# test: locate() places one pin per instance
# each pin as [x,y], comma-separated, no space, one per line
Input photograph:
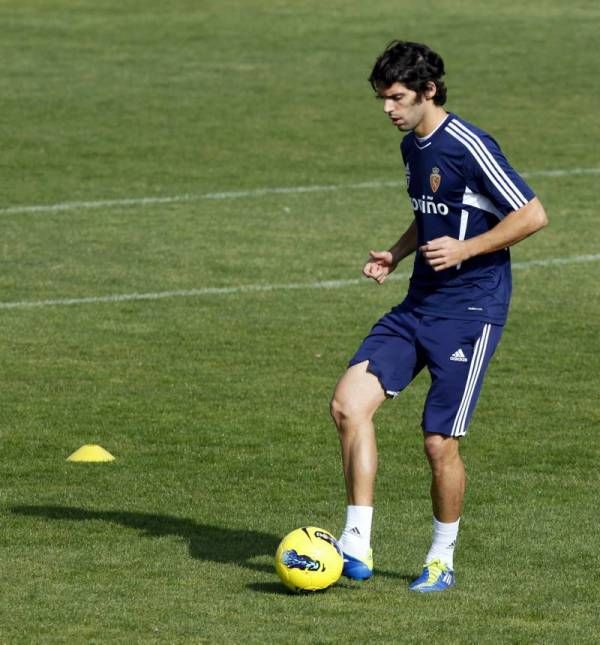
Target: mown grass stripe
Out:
[253,288]
[237,194]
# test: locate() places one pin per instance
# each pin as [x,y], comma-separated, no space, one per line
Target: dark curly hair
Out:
[412,64]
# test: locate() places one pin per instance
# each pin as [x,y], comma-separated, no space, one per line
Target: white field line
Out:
[258,192]
[253,288]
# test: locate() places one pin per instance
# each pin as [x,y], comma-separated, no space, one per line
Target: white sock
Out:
[443,542]
[356,536]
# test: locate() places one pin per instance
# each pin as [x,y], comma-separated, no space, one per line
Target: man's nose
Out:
[388,106]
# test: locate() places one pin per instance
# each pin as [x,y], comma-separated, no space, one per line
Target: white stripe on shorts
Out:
[459,428]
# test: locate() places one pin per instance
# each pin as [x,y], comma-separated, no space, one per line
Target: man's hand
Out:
[379,265]
[444,253]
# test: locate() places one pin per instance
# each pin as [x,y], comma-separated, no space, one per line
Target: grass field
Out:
[189,191]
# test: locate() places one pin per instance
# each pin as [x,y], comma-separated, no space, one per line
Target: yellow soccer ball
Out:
[309,559]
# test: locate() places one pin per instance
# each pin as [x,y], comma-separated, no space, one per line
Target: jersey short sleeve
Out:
[488,172]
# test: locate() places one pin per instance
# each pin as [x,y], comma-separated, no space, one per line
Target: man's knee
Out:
[441,449]
[344,410]
[357,396]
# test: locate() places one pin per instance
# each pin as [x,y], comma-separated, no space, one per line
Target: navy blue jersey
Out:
[461,185]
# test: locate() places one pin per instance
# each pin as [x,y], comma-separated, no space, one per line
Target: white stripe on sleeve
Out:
[464,218]
[495,174]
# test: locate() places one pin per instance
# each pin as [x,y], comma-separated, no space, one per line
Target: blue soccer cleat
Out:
[356,569]
[436,576]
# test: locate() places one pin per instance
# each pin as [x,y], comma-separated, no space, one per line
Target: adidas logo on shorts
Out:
[459,356]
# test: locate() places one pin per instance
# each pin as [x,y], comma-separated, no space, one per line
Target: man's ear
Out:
[430,90]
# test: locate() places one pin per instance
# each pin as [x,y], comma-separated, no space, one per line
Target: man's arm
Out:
[445,252]
[381,263]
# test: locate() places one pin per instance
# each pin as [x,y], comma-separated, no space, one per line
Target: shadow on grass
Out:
[277,589]
[206,542]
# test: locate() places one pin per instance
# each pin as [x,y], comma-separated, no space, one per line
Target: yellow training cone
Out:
[91,452]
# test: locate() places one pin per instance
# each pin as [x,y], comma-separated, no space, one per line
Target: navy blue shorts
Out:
[456,353]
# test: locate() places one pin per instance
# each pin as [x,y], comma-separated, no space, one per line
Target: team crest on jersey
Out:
[435,179]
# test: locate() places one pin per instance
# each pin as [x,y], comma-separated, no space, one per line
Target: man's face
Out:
[402,106]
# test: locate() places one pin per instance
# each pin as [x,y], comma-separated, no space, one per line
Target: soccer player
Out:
[469,206]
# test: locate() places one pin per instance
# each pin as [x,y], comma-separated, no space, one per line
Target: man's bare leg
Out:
[447,494]
[357,397]
[447,476]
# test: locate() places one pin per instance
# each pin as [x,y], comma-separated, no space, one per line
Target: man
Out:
[469,207]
